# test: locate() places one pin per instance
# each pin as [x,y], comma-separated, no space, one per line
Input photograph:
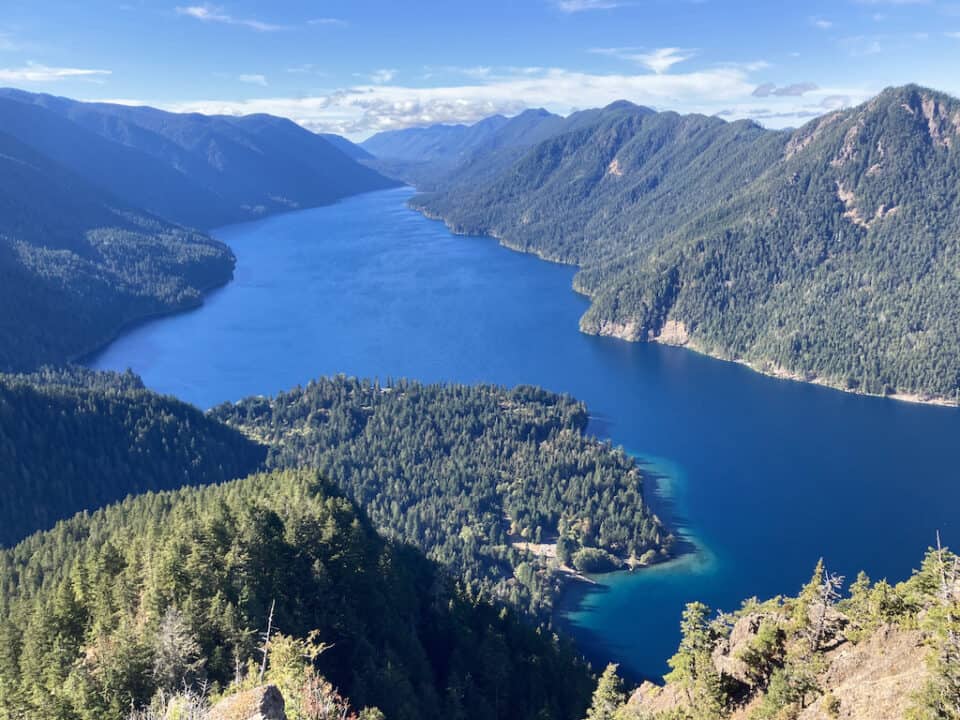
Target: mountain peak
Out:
[626,106]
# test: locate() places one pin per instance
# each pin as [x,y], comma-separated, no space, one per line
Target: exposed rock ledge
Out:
[673,332]
[629,331]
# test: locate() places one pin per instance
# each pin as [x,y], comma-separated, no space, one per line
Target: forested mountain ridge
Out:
[77,264]
[829,253]
[170,592]
[196,170]
[73,441]
[502,486]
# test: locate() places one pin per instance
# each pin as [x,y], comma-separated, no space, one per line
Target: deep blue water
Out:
[765,475]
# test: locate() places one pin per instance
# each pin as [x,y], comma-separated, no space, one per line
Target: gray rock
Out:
[262,703]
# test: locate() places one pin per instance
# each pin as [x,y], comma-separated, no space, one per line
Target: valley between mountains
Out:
[394,548]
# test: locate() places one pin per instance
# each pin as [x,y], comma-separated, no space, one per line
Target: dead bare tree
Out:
[948,595]
[828,593]
[265,647]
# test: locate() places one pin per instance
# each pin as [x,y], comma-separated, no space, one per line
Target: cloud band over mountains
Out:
[367,108]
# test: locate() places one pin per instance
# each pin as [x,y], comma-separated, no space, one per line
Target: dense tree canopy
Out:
[73,440]
[99,614]
[490,482]
[829,252]
[76,265]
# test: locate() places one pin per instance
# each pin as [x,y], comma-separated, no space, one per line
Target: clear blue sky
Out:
[358,66]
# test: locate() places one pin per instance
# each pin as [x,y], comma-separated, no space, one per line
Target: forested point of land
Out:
[502,486]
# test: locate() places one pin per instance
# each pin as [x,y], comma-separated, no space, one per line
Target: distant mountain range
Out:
[830,253]
[196,170]
[97,202]
[426,157]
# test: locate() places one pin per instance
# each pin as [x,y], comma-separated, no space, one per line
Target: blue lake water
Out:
[764,476]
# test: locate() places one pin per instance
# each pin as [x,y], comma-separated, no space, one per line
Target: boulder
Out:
[727,653]
[262,703]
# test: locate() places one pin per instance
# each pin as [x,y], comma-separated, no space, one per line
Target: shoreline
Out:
[761,367]
[86,356]
[771,371]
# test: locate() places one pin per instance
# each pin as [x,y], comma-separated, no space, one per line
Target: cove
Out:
[763,476]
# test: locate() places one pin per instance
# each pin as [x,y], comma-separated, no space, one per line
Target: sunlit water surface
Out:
[763,476]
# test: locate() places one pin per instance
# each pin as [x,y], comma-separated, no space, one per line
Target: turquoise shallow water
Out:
[762,475]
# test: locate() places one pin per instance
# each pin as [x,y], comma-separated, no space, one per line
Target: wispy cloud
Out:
[328,21]
[38,73]
[658,60]
[253,79]
[382,76]
[575,6]
[794,90]
[305,69]
[821,23]
[215,14]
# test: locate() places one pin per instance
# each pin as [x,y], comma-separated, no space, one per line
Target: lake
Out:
[763,476]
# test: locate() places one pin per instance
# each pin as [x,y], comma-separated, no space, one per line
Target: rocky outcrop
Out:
[262,703]
[874,679]
[673,332]
[728,655]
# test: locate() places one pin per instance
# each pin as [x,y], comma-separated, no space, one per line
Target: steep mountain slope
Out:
[72,441]
[201,171]
[77,264]
[348,148]
[502,486]
[171,590]
[881,652]
[830,253]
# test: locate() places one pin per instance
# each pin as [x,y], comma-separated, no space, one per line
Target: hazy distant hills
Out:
[97,202]
[197,170]
[430,156]
[831,252]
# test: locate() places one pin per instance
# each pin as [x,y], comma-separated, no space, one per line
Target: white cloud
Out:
[254,79]
[362,110]
[212,13]
[821,23]
[575,6]
[658,60]
[794,90]
[37,73]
